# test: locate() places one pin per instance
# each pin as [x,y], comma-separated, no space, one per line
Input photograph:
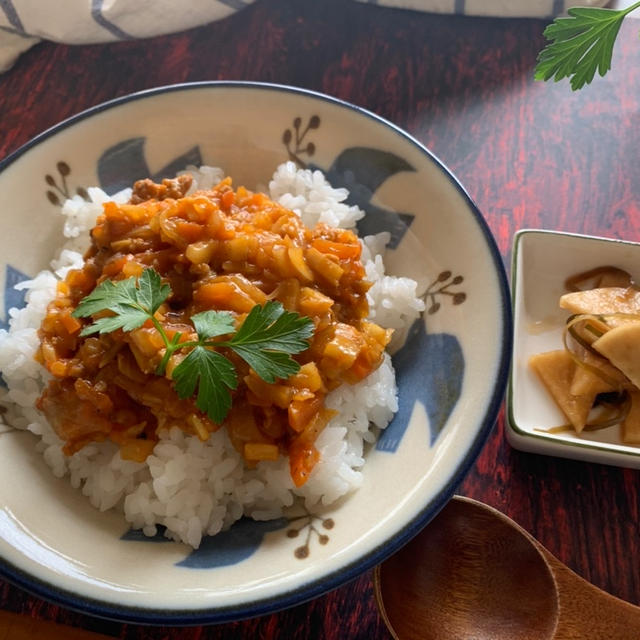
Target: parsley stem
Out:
[633,7]
[170,347]
[265,340]
[158,326]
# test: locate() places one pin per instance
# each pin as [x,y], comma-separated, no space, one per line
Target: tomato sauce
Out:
[222,249]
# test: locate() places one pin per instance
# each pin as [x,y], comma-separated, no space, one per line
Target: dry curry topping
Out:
[223,250]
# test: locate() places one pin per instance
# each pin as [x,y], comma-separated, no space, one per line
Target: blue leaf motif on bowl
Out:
[233,545]
[362,170]
[124,163]
[12,297]
[429,370]
[225,548]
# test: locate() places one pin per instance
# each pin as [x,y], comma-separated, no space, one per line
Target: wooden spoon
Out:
[474,574]
[21,627]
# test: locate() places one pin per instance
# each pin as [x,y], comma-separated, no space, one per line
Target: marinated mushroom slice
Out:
[606,276]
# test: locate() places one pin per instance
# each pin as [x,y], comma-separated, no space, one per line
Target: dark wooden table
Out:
[530,154]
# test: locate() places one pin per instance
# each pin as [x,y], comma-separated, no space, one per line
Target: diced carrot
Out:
[212,294]
[71,324]
[198,209]
[99,233]
[260,451]
[308,377]
[58,368]
[301,412]
[110,208]
[132,268]
[227,199]
[345,345]
[376,333]
[136,450]
[303,457]
[190,231]
[223,295]
[340,249]
[359,370]
[114,267]
[257,199]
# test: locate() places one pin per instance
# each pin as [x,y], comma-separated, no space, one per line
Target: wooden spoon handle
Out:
[22,627]
[588,612]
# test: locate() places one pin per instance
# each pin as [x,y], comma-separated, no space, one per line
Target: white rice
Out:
[196,488]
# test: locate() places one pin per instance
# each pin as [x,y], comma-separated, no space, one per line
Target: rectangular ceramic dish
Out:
[541,262]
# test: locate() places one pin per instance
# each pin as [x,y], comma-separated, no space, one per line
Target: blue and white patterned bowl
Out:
[451,372]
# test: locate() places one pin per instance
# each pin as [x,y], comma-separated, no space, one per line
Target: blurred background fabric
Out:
[506,8]
[24,23]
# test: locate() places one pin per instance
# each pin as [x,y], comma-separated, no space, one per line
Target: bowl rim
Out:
[319,586]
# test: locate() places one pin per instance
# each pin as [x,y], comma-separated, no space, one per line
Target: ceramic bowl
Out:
[541,262]
[452,370]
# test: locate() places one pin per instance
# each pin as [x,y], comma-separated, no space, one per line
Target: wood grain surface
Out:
[530,154]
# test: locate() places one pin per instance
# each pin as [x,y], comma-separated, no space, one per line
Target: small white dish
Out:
[541,262]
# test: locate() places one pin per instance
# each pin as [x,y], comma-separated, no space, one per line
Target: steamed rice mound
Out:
[190,486]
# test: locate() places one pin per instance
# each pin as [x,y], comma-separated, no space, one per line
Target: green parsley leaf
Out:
[266,339]
[107,295]
[127,319]
[581,44]
[132,305]
[272,328]
[213,375]
[269,365]
[210,324]
[151,292]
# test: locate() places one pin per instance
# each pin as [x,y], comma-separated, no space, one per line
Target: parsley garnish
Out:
[582,44]
[266,340]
